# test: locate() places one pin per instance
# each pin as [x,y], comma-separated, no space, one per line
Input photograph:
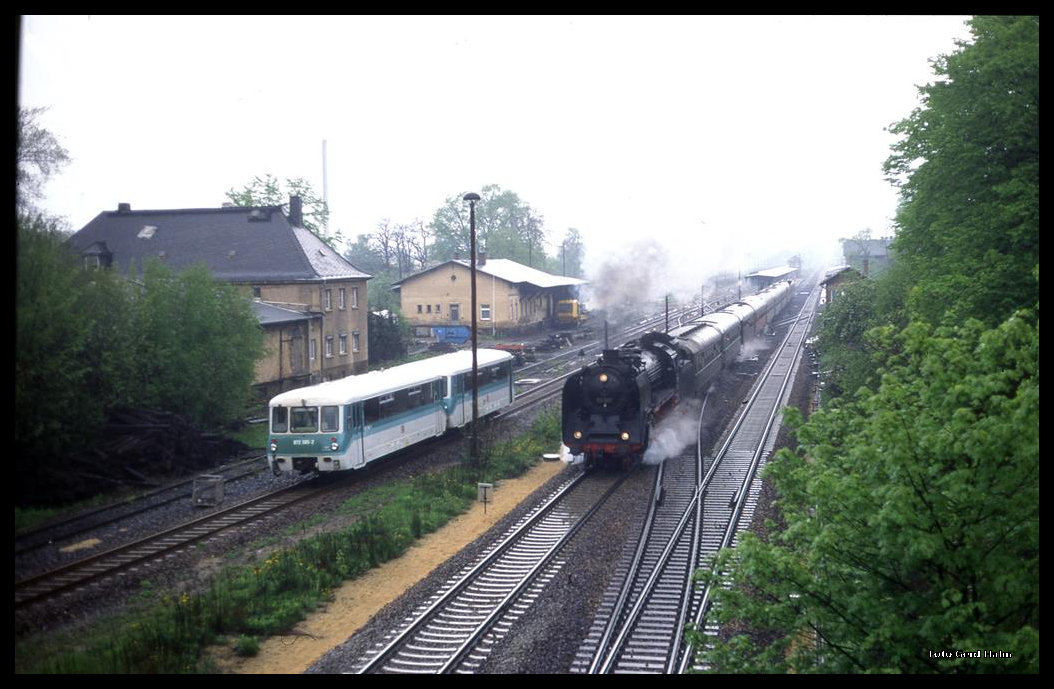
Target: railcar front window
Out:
[304,420]
[279,420]
[330,419]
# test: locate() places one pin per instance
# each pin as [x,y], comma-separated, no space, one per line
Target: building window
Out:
[256,292]
[419,309]
[429,308]
[437,308]
[484,312]
[340,299]
[343,344]
[327,300]
[354,297]
[311,349]
[328,351]
[354,342]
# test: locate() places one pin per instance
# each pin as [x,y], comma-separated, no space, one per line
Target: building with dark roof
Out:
[310,301]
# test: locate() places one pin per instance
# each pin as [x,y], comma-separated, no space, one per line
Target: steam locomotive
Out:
[610,405]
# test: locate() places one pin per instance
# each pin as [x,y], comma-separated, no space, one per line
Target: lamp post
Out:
[474,442]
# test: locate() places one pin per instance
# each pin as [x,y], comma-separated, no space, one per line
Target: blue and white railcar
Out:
[494,378]
[347,423]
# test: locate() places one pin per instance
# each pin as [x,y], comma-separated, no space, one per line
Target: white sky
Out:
[708,135]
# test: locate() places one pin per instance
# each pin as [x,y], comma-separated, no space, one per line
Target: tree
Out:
[88,341]
[198,344]
[846,352]
[54,408]
[912,519]
[911,505]
[267,191]
[968,171]
[506,227]
[38,155]
[572,251]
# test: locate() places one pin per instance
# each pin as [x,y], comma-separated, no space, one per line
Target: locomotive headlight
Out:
[274,445]
[577,435]
[625,435]
[333,445]
[603,377]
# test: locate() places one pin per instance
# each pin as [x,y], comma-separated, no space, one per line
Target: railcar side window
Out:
[279,420]
[304,420]
[372,410]
[330,419]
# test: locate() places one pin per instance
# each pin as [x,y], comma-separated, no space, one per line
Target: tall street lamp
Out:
[474,446]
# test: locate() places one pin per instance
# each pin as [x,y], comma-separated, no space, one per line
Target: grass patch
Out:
[270,596]
[253,435]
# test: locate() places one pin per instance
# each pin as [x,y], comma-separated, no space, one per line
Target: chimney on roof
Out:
[124,208]
[296,211]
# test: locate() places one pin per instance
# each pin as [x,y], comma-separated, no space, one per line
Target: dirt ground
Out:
[357,601]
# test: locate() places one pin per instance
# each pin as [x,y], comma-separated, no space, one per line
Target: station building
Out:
[512,298]
[764,278]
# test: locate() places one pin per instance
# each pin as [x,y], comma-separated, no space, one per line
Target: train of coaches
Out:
[609,405]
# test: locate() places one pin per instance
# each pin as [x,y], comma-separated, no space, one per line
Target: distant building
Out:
[834,280]
[511,297]
[309,300]
[868,256]
[763,278]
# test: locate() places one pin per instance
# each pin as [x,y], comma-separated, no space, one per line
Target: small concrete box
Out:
[208,490]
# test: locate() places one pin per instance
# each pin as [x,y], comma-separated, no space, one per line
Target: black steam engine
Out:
[610,405]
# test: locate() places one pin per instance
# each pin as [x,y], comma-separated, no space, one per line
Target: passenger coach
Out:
[345,424]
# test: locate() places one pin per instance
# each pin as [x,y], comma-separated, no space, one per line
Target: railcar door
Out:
[353,430]
[457,401]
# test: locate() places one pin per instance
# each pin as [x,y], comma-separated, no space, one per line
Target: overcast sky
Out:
[708,135]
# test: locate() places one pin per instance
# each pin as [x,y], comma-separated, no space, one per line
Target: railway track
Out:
[132,555]
[639,627]
[73,526]
[455,630]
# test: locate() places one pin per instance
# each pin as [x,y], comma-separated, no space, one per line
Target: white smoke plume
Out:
[674,433]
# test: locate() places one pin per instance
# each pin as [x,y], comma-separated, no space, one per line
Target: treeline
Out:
[91,341]
[910,507]
[506,227]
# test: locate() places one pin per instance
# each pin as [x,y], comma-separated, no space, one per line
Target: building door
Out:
[455,313]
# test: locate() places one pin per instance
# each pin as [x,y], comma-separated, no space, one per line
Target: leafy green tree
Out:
[38,155]
[968,171]
[911,503]
[912,519]
[388,336]
[198,344]
[53,332]
[268,191]
[846,352]
[506,227]
[572,254]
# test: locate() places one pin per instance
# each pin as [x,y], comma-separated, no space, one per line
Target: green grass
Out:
[253,435]
[271,595]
